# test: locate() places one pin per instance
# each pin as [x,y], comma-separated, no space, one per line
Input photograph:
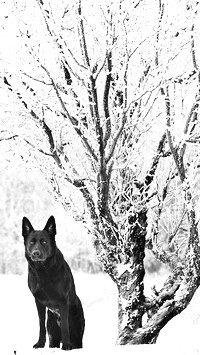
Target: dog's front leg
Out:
[42,315]
[65,331]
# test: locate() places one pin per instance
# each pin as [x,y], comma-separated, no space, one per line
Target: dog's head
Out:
[39,244]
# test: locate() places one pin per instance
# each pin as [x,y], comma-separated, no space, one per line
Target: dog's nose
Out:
[36,253]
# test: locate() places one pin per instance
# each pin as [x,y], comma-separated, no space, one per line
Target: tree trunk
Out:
[130,293]
[171,300]
[148,333]
[130,276]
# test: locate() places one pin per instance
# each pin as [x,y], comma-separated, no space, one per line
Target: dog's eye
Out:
[32,242]
[43,241]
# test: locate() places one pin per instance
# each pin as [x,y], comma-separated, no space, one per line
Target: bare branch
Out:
[92,91]
[75,124]
[29,143]
[151,173]
[191,123]
[136,5]
[161,13]
[177,159]
[49,135]
[193,49]
[126,68]
[41,122]
[35,79]
[73,120]
[135,101]
[106,98]
[177,228]
[89,200]
[8,138]
[116,138]
[59,41]
[82,33]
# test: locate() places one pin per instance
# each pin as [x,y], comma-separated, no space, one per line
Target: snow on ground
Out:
[19,321]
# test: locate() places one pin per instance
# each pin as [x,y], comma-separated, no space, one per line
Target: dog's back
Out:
[52,284]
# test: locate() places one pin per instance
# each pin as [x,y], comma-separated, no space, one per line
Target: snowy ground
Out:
[19,322]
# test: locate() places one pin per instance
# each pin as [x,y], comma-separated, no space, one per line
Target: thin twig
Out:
[172,235]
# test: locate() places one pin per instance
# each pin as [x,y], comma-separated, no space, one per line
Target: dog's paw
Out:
[39,344]
[67,347]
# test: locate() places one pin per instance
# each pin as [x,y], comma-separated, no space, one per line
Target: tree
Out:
[110,98]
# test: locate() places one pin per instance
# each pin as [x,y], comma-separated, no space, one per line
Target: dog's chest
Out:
[45,291]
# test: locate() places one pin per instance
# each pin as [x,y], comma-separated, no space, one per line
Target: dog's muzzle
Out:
[37,256]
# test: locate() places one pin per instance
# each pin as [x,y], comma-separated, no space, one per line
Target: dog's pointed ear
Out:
[51,226]
[26,227]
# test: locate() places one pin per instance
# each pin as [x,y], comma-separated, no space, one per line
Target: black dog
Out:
[51,283]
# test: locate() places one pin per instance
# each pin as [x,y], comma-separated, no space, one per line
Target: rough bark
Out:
[130,282]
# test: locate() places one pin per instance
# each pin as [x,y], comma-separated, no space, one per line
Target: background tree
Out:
[110,98]
[22,195]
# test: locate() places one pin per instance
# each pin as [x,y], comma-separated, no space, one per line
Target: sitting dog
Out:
[51,283]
